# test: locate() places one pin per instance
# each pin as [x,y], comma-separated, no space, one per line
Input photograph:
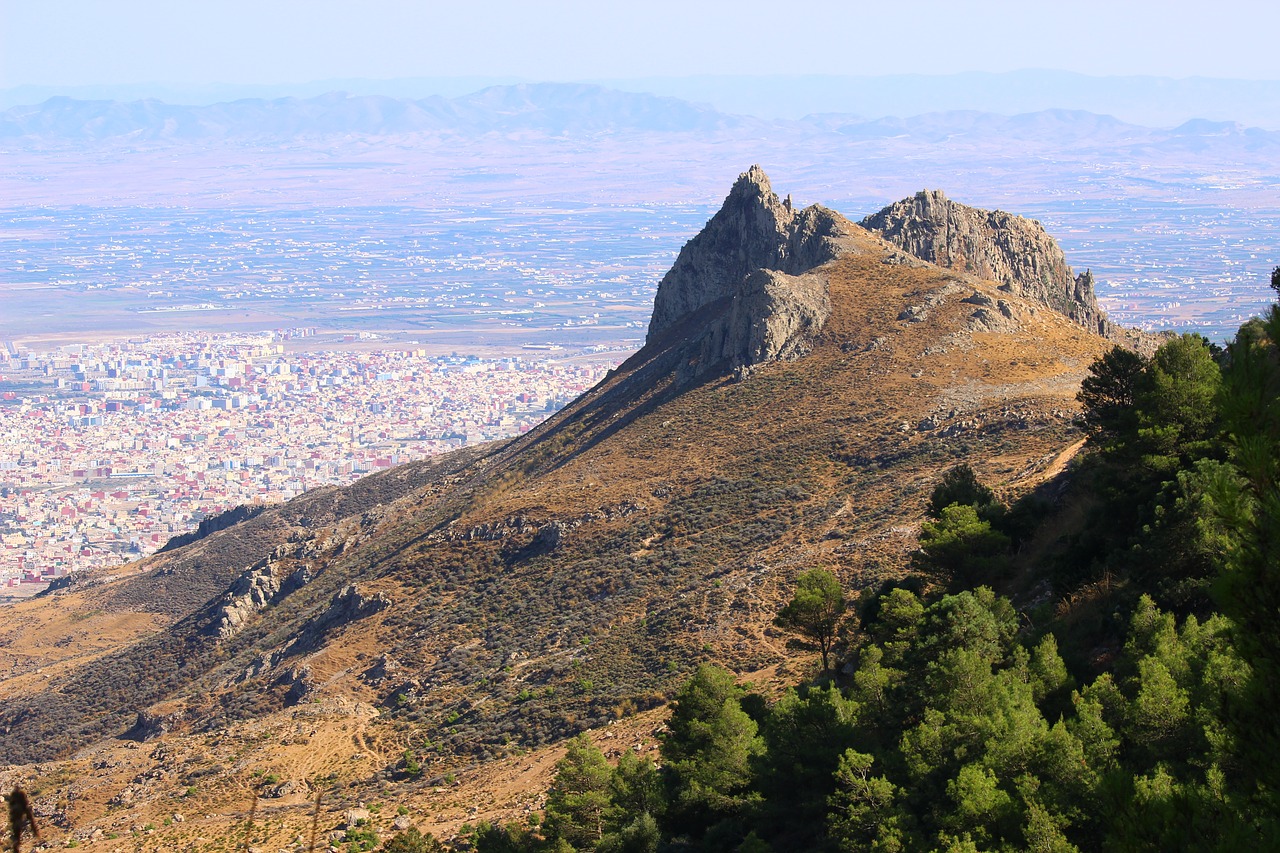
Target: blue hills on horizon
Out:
[1143,100]
[553,108]
[575,109]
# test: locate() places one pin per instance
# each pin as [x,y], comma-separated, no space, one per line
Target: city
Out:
[109,450]
[139,396]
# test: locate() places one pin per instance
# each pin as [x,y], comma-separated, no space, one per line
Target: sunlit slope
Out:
[510,597]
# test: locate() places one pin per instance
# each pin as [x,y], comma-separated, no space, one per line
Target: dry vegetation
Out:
[566,581]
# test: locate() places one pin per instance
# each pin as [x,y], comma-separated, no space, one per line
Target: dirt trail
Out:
[1059,464]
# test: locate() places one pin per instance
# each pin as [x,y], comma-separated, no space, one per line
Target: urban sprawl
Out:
[109,450]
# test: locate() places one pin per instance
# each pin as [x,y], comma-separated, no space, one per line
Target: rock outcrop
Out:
[251,592]
[773,316]
[994,245]
[346,606]
[156,721]
[740,290]
[221,521]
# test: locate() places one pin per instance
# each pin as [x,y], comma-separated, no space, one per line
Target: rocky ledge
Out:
[741,291]
[995,245]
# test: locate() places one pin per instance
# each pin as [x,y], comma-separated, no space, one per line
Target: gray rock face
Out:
[772,317]
[744,276]
[347,605]
[995,245]
[301,683]
[154,722]
[250,592]
[776,316]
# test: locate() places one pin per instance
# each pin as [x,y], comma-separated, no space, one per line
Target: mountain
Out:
[737,294]
[549,108]
[572,109]
[803,385]
[1149,100]
[993,245]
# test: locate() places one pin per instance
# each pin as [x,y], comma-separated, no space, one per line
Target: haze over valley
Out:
[269,211]
[538,428]
[518,225]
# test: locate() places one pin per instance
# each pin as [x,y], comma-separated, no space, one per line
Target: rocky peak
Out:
[994,245]
[754,230]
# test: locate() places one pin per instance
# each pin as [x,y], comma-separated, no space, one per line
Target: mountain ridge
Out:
[993,245]
[504,599]
[1150,100]
[549,108]
[562,109]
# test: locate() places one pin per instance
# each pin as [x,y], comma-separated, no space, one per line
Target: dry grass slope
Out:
[508,598]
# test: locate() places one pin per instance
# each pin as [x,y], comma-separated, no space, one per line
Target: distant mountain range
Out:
[547,108]
[557,109]
[1145,100]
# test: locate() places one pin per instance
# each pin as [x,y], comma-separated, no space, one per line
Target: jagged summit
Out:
[1013,251]
[747,289]
[741,292]
[753,230]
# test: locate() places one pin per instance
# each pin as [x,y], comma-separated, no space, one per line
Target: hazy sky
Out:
[83,42]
